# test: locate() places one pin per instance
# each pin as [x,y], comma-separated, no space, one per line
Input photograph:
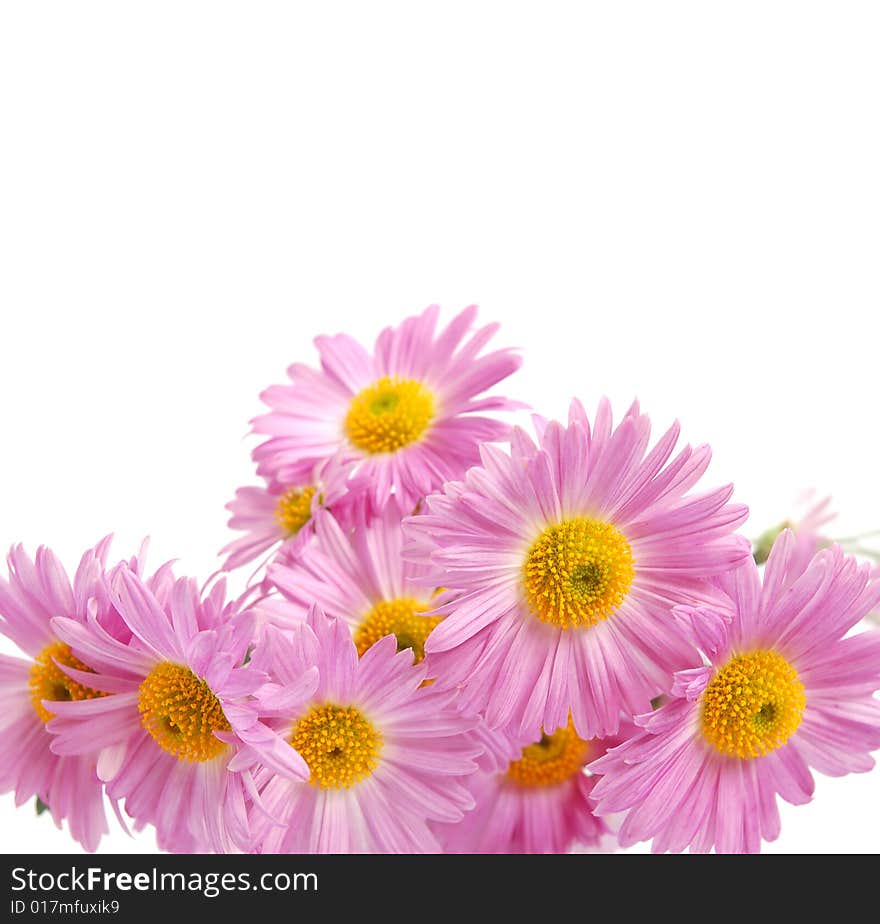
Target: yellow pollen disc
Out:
[578,572]
[389,414]
[339,744]
[294,509]
[48,681]
[553,759]
[182,713]
[401,618]
[753,705]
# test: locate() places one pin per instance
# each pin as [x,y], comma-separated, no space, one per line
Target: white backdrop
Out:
[673,201]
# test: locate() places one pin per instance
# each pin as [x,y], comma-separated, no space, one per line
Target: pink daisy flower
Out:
[538,803]
[408,414]
[177,713]
[784,691]
[810,518]
[279,516]
[387,756]
[565,559]
[31,690]
[360,576]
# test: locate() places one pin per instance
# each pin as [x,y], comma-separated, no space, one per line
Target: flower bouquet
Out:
[455,634]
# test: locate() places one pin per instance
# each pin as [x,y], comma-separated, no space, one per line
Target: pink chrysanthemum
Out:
[176,714]
[408,414]
[36,592]
[810,517]
[538,803]
[282,515]
[784,692]
[360,577]
[565,560]
[387,755]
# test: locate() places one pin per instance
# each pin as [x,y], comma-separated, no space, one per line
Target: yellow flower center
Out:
[753,705]
[294,509]
[554,759]
[182,713]
[48,681]
[339,744]
[389,414]
[578,572]
[401,618]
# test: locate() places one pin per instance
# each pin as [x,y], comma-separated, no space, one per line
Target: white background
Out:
[674,201]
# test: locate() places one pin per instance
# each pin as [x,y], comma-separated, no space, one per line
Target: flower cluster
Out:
[457,636]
